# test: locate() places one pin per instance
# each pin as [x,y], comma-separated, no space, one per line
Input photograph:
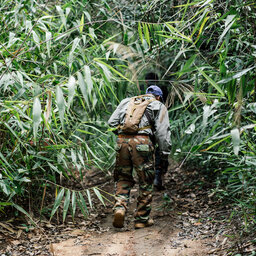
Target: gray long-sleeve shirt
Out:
[158,114]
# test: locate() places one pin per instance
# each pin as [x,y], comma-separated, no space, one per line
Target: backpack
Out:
[135,110]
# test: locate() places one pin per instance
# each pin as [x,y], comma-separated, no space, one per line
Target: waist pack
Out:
[135,110]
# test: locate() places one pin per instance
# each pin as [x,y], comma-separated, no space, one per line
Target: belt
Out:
[133,135]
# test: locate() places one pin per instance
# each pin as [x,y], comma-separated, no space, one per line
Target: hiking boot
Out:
[148,223]
[118,221]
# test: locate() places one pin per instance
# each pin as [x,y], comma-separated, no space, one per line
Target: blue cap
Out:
[155,90]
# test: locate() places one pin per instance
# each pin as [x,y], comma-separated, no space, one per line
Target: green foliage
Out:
[65,66]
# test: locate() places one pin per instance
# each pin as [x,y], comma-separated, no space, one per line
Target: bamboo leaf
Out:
[88,79]
[201,28]
[88,16]
[98,194]
[84,206]
[89,197]
[73,204]
[215,85]
[57,202]
[173,29]
[62,16]
[36,115]
[48,36]
[235,134]
[82,87]
[19,208]
[61,104]
[81,24]
[188,64]
[36,38]
[48,107]
[83,131]
[71,90]
[146,33]
[114,70]
[140,32]
[235,76]
[66,204]
[229,22]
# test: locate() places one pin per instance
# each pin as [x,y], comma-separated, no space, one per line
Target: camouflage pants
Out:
[134,151]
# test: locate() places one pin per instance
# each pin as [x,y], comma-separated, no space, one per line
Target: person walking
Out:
[140,122]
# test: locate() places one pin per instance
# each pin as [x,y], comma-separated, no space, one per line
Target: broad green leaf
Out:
[4,188]
[62,16]
[73,156]
[66,204]
[146,33]
[48,36]
[54,167]
[71,53]
[20,77]
[188,64]
[36,38]
[6,162]
[19,208]
[83,131]
[140,32]
[98,194]
[114,70]
[216,143]
[48,108]
[81,24]
[201,28]
[36,115]
[84,206]
[61,104]
[214,84]
[82,87]
[106,71]
[88,79]
[88,16]
[173,29]
[89,197]
[237,75]
[208,111]
[175,59]
[57,202]
[73,204]
[71,89]
[229,22]
[235,134]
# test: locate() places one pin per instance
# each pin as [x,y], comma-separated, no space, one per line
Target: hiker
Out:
[161,165]
[139,120]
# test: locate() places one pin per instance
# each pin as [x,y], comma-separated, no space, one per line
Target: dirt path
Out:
[187,223]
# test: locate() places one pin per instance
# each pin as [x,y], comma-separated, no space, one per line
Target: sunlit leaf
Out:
[235,134]
[36,115]
[61,104]
[71,90]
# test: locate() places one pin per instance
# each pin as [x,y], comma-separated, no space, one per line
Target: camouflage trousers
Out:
[134,152]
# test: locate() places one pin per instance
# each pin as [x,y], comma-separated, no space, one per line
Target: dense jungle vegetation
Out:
[65,66]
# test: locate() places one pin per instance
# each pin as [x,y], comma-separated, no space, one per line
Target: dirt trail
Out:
[164,238]
[188,222]
[185,224]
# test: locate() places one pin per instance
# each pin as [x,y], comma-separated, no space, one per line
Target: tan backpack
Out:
[134,113]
